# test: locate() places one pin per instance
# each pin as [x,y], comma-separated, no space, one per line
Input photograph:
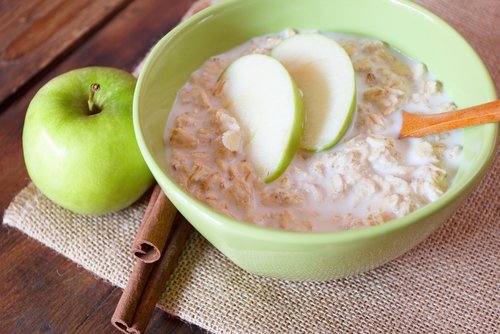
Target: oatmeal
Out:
[368,178]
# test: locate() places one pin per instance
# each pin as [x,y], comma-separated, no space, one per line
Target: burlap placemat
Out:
[448,284]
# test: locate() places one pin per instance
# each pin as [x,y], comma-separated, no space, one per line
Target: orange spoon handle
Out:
[418,125]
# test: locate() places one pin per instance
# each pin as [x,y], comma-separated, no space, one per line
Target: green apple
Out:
[260,92]
[324,73]
[79,144]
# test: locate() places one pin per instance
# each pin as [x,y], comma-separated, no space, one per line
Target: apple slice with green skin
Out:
[79,144]
[263,97]
[324,73]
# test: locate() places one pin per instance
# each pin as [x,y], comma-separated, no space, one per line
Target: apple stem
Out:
[93,88]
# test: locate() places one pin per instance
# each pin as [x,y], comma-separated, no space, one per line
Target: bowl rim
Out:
[234,226]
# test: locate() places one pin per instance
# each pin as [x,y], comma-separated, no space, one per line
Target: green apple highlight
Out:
[262,95]
[79,144]
[324,73]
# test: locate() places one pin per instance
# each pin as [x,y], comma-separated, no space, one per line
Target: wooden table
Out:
[40,290]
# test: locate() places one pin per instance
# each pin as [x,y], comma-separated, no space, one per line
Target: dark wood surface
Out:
[36,33]
[40,290]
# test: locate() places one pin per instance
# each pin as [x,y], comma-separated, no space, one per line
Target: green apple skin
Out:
[297,53]
[87,163]
[343,130]
[293,135]
[294,138]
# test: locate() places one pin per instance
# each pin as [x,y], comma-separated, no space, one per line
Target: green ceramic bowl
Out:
[313,256]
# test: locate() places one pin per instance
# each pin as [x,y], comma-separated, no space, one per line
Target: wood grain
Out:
[161,322]
[33,277]
[420,125]
[37,32]
[42,29]
[43,292]
[78,301]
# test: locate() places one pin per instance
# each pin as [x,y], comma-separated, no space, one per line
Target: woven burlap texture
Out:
[448,284]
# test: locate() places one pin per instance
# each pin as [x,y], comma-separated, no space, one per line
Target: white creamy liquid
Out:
[323,207]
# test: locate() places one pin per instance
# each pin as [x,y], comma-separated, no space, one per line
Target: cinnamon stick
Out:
[152,243]
[147,283]
[127,305]
[155,227]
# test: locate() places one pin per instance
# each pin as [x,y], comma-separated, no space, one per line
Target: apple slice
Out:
[324,73]
[263,97]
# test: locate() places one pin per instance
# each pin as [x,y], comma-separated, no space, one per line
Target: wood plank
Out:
[98,320]
[42,291]
[132,27]
[13,175]
[15,16]
[36,33]
[161,322]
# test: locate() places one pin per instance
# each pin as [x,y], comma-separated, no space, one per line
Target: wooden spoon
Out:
[419,125]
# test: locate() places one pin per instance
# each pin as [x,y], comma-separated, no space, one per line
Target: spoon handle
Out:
[419,125]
